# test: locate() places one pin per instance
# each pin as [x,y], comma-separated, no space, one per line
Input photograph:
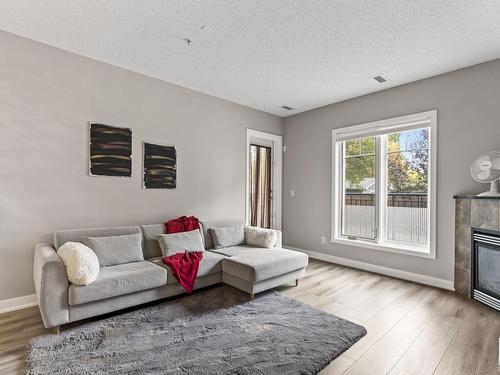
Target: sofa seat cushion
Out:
[255,264]
[118,280]
[211,263]
[234,250]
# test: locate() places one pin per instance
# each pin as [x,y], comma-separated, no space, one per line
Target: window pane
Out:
[358,216]
[353,147]
[407,186]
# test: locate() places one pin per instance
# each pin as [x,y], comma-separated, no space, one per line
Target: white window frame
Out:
[413,121]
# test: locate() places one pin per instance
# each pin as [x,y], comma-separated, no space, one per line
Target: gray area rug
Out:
[216,331]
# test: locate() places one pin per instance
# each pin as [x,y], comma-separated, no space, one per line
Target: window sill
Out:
[388,247]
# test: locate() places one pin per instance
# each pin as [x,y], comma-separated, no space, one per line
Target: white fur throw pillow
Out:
[82,265]
[261,237]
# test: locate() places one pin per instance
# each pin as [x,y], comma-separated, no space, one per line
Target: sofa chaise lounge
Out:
[247,268]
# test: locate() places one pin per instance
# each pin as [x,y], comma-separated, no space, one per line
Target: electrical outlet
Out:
[323,240]
[292,193]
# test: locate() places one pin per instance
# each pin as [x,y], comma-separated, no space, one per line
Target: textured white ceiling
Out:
[269,53]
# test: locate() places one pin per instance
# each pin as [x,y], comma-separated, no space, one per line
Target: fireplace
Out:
[485,267]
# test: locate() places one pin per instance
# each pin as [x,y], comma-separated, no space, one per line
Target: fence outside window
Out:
[406,216]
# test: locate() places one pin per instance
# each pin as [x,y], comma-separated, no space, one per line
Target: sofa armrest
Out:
[279,242]
[51,285]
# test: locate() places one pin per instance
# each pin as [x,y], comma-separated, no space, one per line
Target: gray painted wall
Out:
[47,97]
[468,107]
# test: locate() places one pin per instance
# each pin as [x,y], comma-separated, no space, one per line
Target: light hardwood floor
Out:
[412,329]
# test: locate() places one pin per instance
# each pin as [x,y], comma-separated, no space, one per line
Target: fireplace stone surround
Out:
[471,211]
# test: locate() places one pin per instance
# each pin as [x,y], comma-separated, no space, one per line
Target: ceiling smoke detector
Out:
[380,79]
[287,107]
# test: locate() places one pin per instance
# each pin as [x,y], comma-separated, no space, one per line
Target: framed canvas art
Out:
[159,166]
[110,150]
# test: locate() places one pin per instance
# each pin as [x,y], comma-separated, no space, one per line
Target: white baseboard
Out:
[17,303]
[405,275]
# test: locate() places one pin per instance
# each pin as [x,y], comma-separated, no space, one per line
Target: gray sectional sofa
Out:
[247,268]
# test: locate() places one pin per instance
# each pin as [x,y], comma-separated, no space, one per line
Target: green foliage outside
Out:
[407,157]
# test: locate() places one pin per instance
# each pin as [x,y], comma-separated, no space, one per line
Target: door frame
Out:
[276,174]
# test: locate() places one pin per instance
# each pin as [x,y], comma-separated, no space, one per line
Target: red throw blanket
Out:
[182,224]
[184,266]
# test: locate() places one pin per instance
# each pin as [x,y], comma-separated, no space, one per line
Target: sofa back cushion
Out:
[228,236]
[115,250]
[210,224]
[173,243]
[151,245]
[77,235]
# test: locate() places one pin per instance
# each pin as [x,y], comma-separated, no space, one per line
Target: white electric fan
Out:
[486,169]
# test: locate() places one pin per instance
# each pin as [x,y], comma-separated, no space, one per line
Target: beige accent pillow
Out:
[173,243]
[261,237]
[82,265]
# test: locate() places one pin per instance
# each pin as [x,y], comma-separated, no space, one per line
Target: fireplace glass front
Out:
[486,267]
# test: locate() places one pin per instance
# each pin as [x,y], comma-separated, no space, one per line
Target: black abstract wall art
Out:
[110,151]
[160,166]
